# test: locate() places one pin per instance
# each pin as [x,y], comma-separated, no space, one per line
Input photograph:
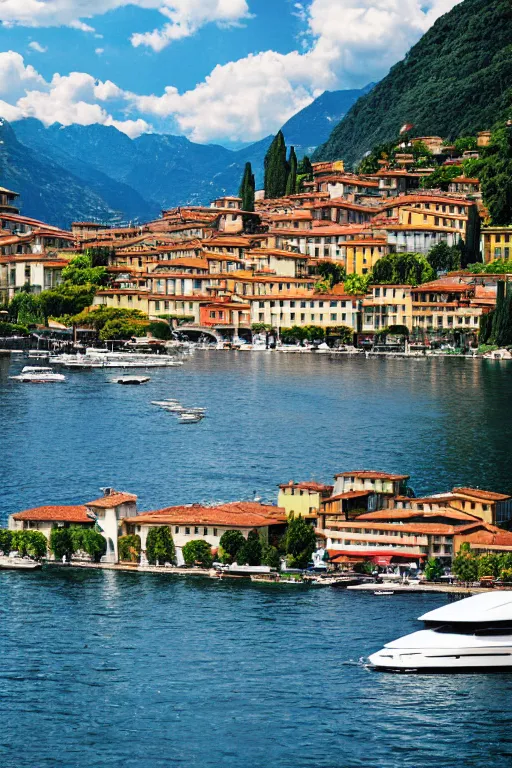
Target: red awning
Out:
[381,560]
[370,554]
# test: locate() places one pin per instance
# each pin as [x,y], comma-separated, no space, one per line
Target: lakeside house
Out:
[195,521]
[365,516]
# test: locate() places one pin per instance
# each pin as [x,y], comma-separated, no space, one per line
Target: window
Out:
[187,531]
[333,304]
[176,529]
[205,531]
[213,314]
[303,305]
[157,305]
[215,532]
[333,315]
[196,530]
[292,304]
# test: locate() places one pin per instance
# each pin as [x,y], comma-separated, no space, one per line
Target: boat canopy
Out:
[489,607]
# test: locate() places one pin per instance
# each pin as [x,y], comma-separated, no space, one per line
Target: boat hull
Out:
[428,651]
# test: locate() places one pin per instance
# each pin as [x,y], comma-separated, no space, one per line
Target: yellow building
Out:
[360,256]
[497,243]
[302,499]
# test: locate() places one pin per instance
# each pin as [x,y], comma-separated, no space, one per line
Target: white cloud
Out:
[99,51]
[66,99]
[35,46]
[349,42]
[185,16]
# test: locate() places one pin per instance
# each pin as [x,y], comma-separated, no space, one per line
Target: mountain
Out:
[100,173]
[454,81]
[313,124]
[48,191]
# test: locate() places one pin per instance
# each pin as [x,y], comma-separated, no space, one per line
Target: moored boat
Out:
[38,375]
[11,563]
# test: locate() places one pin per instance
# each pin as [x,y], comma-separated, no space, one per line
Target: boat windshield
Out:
[472,628]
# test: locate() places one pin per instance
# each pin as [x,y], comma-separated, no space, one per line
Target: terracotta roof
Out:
[372,475]
[348,495]
[310,485]
[405,514]
[478,493]
[70,514]
[243,514]
[112,500]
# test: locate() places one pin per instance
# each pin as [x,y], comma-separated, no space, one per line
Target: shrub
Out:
[250,553]
[160,545]
[129,548]
[300,542]
[31,543]
[89,541]
[5,541]
[271,557]
[61,543]
[198,552]
[231,542]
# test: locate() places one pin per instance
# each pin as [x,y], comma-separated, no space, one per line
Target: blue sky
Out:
[212,70]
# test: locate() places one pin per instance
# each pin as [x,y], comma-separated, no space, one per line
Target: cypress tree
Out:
[291,181]
[247,189]
[276,168]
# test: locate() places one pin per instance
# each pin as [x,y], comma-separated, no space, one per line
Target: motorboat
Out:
[386,592]
[131,380]
[38,375]
[16,563]
[190,418]
[165,403]
[471,635]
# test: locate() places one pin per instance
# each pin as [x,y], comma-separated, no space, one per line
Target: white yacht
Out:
[38,375]
[471,635]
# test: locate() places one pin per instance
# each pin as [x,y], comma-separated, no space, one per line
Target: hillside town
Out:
[306,259]
[365,518]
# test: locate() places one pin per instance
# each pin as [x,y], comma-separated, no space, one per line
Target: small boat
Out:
[383,592]
[190,418]
[8,563]
[131,380]
[38,375]
[164,403]
[470,635]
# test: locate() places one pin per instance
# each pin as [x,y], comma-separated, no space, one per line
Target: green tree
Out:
[433,569]
[496,176]
[121,329]
[489,565]
[159,329]
[61,543]
[293,335]
[89,541]
[300,542]
[100,255]
[465,565]
[5,541]
[344,333]
[30,543]
[276,168]
[98,317]
[291,181]
[357,284]
[441,177]
[465,144]
[13,329]
[198,552]
[81,272]
[331,272]
[270,556]
[247,189]
[304,173]
[444,258]
[232,542]
[129,547]
[65,301]
[402,269]
[25,308]
[251,552]
[160,545]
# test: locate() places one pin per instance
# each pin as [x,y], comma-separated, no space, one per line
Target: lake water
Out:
[113,669]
